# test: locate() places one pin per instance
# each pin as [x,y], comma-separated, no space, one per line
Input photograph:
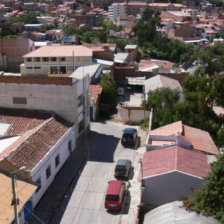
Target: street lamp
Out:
[15,200]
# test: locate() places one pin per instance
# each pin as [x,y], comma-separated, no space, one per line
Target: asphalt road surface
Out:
[85,204]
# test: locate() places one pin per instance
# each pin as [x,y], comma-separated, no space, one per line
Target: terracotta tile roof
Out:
[174,158]
[39,133]
[95,91]
[61,51]
[31,151]
[199,139]
[24,191]
[20,120]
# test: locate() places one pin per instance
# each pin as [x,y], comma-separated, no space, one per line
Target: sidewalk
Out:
[50,201]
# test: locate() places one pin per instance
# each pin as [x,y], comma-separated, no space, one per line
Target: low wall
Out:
[131,115]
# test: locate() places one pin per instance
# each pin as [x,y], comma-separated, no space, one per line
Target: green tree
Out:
[109,93]
[69,31]
[201,92]
[164,102]
[145,29]
[86,38]
[106,4]
[27,18]
[209,200]
[48,27]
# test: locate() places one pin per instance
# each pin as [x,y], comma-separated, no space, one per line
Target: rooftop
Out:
[160,81]
[61,51]
[24,191]
[95,91]
[37,133]
[175,158]
[199,139]
[82,71]
[175,213]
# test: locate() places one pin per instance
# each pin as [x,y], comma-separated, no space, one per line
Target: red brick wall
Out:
[105,55]
[14,46]
[36,80]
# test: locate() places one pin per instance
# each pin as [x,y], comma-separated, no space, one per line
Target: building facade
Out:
[58,60]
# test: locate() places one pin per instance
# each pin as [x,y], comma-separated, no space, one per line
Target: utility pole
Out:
[15,199]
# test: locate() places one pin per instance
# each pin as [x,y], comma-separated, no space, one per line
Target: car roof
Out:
[122,161]
[114,187]
[129,130]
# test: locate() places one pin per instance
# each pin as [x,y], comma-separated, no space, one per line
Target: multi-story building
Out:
[41,119]
[56,60]
[115,10]
[14,49]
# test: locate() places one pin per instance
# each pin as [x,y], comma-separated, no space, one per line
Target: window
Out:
[54,69]
[29,67]
[38,182]
[57,160]
[70,68]
[53,59]
[80,100]
[19,100]
[28,59]
[45,59]
[62,59]
[69,59]
[48,172]
[37,59]
[70,146]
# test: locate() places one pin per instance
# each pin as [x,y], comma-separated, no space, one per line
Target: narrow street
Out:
[84,200]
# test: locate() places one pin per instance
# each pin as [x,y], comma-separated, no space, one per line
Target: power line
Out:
[35,216]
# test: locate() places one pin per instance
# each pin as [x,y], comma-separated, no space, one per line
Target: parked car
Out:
[123,169]
[115,195]
[129,137]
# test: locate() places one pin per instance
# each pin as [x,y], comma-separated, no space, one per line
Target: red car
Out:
[115,195]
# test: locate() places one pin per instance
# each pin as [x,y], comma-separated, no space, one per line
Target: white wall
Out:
[169,187]
[58,98]
[60,148]
[132,116]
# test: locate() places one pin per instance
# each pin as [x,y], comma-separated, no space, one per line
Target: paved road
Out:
[86,203]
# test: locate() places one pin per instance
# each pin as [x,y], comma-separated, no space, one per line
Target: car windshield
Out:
[112,197]
[127,136]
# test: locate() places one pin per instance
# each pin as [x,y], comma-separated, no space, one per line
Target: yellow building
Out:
[56,60]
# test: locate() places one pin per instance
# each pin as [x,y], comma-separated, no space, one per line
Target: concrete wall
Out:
[169,187]
[58,98]
[61,149]
[131,115]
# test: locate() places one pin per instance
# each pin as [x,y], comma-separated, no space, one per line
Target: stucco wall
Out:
[61,149]
[169,187]
[58,98]
[132,115]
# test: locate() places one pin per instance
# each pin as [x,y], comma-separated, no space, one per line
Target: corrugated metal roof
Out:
[174,213]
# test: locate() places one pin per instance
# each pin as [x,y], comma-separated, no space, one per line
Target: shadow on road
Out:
[102,147]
